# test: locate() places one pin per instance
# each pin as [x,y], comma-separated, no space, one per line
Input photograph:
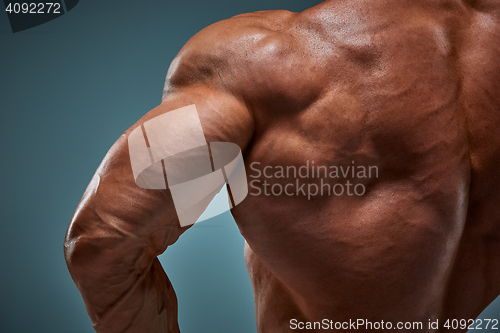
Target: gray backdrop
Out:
[69,88]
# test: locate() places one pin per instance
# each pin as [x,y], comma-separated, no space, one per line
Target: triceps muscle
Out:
[121,225]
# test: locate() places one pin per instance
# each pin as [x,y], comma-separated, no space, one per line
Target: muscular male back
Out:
[411,88]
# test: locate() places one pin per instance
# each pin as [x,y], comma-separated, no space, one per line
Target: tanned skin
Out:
[409,86]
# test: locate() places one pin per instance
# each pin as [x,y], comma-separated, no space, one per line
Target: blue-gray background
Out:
[69,88]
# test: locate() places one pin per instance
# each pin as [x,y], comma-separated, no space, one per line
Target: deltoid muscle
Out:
[170,151]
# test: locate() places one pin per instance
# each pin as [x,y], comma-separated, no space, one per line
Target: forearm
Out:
[123,284]
[111,246]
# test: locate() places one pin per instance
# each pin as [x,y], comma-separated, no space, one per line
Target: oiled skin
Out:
[412,87]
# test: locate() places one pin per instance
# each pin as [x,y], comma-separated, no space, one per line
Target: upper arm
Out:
[114,207]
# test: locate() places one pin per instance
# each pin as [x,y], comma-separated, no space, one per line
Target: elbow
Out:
[74,254]
[81,245]
[84,253]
